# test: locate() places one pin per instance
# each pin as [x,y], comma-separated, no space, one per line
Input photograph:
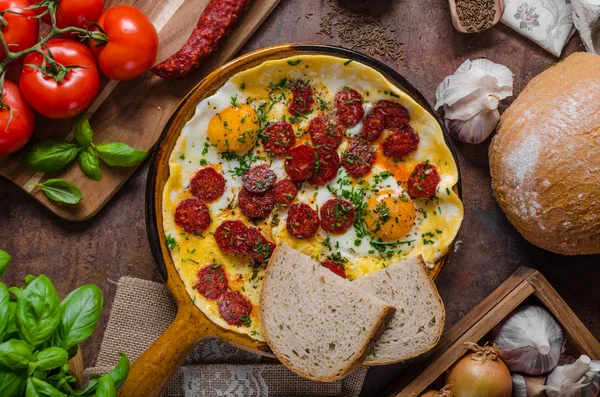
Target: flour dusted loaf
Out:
[318,324]
[545,158]
[418,321]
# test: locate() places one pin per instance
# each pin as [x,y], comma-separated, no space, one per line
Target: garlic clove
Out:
[476,129]
[569,374]
[525,386]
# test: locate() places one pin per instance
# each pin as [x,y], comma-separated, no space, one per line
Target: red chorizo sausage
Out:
[216,21]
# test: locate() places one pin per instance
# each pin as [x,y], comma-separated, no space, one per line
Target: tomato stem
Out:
[59,69]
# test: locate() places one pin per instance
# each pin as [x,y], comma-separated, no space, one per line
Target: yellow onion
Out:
[480,373]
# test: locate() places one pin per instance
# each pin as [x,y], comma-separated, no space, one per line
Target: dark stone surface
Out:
[114,244]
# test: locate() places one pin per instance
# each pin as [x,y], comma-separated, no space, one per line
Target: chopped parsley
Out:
[295,63]
[246,320]
[171,242]
[392,94]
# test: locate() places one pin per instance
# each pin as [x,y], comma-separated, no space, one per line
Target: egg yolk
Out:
[234,129]
[390,216]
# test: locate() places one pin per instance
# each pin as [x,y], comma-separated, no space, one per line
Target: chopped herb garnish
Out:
[171,242]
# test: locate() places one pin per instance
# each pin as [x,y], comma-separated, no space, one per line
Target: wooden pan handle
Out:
[152,371]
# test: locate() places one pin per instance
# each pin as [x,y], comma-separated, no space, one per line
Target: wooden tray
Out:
[134,111]
[524,284]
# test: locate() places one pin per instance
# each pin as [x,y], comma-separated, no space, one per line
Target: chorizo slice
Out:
[208,184]
[400,143]
[235,308]
[259,179]
[337,215]
[302,221]
[302,98]
[335,267]
[192,215]
[285,192]
[278,138]
[300,163]
[328,164]
[349,107]
[359,158]
[232,237]
[260,248]
[326,133]
[212,281]
[423,181]
[256,205]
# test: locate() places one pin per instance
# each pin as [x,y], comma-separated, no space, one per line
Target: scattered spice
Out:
[362,31]
[476,15]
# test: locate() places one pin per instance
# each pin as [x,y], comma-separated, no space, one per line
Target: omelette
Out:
[317,151]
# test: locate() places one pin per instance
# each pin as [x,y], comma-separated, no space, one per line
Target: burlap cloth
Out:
[142,310]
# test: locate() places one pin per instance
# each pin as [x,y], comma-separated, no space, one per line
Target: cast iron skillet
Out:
[151,372]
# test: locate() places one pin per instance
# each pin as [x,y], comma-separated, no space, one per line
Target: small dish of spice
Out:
[472,16]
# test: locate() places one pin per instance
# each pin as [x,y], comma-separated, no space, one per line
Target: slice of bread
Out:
[419,318]
[319,325]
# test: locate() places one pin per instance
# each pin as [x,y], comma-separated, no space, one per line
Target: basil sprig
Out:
[55,155]
[61,191]
[39,334]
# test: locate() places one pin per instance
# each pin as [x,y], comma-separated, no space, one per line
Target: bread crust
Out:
[373,361]
[383,319]
[545,158]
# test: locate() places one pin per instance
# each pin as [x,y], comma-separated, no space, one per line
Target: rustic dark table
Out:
[114,243]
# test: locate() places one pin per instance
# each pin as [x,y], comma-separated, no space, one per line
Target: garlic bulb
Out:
[580,379]
[525,386]
[471,96]
[530,341]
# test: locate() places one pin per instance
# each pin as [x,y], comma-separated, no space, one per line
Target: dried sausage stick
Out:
[215,23]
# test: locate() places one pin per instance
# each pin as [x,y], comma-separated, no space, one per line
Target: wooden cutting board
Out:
[134,111]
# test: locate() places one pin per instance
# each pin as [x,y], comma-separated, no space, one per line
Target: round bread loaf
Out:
[545,158]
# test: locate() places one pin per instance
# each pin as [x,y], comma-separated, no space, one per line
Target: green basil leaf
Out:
[16,291]
[82,131]
[50,156]
[79,314]
[106,387]
[4,310]
[5,259]
[29,278]
[15,354]
[12,383]
[120,372]
[39,388]
[89,163]
[51,358]
[61,191]
[38,311]
[11,328]
[118,154]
